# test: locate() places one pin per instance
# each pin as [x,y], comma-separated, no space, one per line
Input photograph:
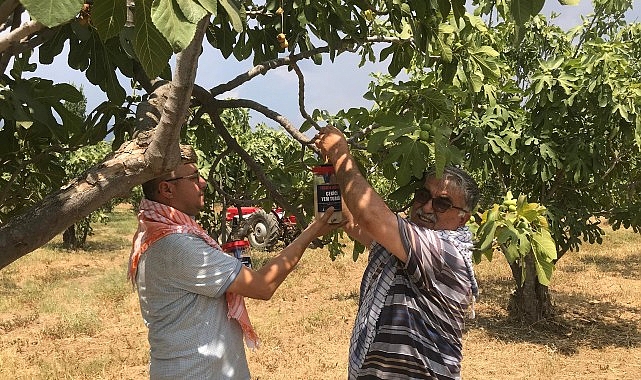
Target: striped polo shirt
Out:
[411,316]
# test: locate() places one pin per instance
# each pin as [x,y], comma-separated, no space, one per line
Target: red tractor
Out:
[262,229]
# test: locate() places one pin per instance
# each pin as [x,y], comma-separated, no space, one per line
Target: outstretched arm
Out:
[368,210]
[353,229]
[262,284]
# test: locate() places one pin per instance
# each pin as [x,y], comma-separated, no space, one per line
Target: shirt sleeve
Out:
[197,267]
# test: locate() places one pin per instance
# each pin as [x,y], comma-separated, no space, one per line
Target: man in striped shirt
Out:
[419,279]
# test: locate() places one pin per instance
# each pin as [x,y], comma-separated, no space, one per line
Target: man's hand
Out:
[332,143]
[321,226]
[371,219]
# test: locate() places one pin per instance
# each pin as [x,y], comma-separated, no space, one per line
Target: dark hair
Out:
[150,189]
[463,181]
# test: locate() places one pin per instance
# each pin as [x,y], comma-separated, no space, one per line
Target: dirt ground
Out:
[73,316]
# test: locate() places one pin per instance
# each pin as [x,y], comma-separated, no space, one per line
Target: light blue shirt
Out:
[181,287]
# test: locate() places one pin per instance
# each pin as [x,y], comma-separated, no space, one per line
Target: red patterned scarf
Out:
[155,221]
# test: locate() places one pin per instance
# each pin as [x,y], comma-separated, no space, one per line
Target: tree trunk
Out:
[531,301]
[69,239]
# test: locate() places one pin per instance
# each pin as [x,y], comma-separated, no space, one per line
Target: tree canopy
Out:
[525,105]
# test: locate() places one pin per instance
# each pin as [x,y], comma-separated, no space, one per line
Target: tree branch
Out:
[30,44]
[301,95]
[273,115]
[164,151]
[264,67]
[114,177]
[210,106]
[16,35]
[353,139]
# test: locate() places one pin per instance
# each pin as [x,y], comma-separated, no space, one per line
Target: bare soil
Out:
[72,315]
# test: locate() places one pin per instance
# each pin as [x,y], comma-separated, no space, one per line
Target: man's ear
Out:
[465,216]
[165,189]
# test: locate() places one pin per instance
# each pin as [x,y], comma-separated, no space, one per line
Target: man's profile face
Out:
[185,187]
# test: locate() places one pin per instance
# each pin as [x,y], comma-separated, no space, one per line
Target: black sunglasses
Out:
[439,204]
[191,177]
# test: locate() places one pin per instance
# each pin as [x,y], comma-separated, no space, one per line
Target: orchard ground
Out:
[73,315]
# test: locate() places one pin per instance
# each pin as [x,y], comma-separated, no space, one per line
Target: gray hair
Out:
[464,182]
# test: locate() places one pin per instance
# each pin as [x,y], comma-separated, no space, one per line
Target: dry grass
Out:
[72,315]
[595,334]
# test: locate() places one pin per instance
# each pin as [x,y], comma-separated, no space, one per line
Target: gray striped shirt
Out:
[411,316]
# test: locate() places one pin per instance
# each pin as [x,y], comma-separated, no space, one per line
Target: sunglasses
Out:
[191,177]
[439,204]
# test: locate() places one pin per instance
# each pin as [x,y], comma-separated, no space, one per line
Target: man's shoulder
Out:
[178,241]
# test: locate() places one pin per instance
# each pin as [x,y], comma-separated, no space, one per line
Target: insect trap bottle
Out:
[327,193]
[239,249]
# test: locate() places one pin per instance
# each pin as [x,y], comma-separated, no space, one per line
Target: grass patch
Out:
[113,287]
[82,323]
[19,321]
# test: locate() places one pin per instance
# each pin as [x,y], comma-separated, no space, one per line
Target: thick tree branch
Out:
[273,115]
[28,45]
[113,178]
[164,150]
[16,35]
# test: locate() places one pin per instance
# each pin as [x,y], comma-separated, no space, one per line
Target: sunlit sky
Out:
[331,86]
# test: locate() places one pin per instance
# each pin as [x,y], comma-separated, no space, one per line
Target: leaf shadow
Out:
[579,319]
[628,267]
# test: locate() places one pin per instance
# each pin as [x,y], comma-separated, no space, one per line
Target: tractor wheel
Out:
[264,230]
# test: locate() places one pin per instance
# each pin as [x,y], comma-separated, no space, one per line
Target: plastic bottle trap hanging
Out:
[327,192]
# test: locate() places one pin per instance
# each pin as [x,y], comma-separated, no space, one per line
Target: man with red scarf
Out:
[190,291]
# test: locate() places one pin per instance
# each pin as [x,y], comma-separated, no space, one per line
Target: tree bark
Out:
[530,302]
[115,177]
[23,31]
[150,154]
